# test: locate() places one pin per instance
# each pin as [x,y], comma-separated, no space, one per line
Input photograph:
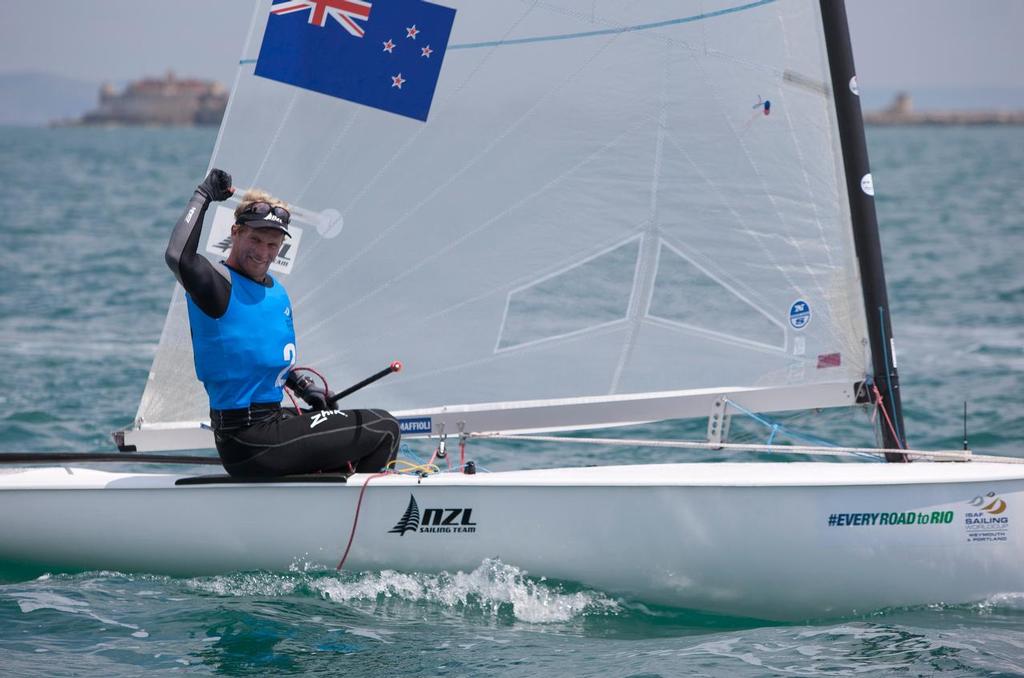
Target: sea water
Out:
[86,214]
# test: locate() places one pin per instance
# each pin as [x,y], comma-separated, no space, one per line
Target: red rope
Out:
[880,405]
[295,403]
[355,519]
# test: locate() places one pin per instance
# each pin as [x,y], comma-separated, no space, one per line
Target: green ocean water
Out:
[87,214]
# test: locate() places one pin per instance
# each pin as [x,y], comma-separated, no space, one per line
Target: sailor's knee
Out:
[390,422]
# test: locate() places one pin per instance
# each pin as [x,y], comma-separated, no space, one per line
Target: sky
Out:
[942,46]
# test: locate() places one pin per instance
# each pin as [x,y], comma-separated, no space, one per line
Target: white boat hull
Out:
[772,541]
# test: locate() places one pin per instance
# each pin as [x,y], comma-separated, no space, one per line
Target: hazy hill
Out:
[40,98]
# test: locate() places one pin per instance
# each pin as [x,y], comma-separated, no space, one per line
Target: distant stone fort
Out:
[901,112]
[160,101]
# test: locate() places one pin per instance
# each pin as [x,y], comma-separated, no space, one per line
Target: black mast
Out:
[865,222]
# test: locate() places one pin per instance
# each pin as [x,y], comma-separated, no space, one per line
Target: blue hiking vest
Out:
[243,357]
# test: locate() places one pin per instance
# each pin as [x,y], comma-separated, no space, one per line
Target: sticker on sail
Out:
[412,425]
[986,520]
[867,184]
[434,520]
[853,86]
[829,360]
[799,314]
[219,240]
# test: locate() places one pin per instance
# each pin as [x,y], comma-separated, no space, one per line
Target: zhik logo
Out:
[434,520]
[321,417]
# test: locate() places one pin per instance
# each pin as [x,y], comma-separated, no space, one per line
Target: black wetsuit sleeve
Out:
[210,289]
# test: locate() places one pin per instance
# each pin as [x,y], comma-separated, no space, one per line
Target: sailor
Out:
[243,343]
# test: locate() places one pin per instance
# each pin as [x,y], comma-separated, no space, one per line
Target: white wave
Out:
[1000,602]
[245,585]
[491,586]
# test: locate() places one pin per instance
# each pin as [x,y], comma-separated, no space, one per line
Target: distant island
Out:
[901,112]
[167,101]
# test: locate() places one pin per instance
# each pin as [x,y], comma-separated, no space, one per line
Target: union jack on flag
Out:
[345,12]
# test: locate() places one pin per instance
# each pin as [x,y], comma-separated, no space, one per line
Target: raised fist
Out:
[217,185]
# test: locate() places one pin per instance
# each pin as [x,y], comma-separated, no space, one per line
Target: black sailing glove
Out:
[306,388]
[216,186]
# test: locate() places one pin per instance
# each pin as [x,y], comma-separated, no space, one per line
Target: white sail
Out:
[606,201]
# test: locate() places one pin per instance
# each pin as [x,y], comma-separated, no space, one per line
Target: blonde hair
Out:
[257,195]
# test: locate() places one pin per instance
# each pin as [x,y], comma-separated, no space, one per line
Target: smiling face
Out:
[253,250]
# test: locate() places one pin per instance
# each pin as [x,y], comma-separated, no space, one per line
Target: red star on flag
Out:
[426,51]
[389,46]
[412,32]
[397,81]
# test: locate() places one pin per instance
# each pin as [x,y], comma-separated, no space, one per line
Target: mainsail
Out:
[610,209]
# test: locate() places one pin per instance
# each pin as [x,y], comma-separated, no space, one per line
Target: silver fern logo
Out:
[434,520]
[410,521]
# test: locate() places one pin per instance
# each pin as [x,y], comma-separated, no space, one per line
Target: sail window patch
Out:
[688,295]
[583,296]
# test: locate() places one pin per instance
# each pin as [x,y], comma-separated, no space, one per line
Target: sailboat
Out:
[561,215]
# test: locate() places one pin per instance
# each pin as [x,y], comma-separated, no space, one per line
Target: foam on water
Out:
[491,586]
[845,650]
[31,601]
[492,589]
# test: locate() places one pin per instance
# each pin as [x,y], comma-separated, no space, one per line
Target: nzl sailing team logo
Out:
[434,520]
[985,521]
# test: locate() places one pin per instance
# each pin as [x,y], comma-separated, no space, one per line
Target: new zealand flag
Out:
[381,53]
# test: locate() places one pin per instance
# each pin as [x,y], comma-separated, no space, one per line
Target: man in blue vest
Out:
[243,343]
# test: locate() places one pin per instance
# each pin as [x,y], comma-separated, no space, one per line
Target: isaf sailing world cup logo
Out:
[986,522]
[434,520]
[993,505]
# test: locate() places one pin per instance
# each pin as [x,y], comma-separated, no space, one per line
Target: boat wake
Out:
[493,590]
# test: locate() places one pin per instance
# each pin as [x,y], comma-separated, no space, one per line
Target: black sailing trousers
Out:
[282,442]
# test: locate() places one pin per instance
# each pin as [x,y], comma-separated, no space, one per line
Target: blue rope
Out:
[407,451]
[777,427]
[753,4]
[612,31]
